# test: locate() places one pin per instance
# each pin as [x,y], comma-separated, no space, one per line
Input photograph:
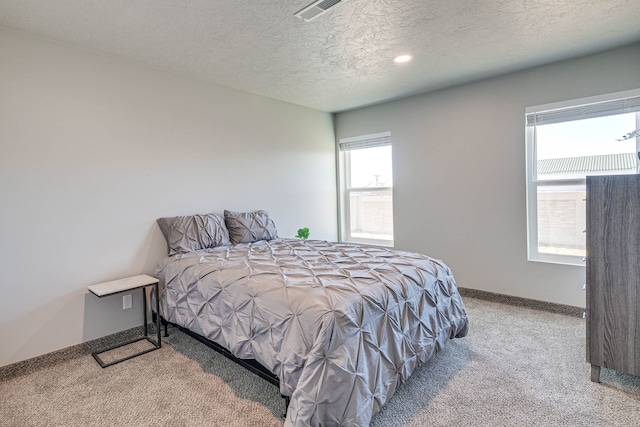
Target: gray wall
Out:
[94,149]
[459,170]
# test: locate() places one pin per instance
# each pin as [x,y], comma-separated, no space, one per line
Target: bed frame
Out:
[249,364]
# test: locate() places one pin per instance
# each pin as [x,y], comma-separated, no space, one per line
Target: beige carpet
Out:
[517,367]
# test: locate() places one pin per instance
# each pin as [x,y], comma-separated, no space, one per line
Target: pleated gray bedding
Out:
[341,325]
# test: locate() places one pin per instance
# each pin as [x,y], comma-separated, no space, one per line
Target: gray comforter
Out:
[341,325]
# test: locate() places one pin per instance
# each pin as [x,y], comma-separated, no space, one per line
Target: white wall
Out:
[459,170]
[94,149]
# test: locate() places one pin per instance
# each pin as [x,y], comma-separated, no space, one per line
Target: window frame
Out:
[532,182]
[345,189]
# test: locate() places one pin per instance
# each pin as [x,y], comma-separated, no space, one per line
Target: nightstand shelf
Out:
[127,285]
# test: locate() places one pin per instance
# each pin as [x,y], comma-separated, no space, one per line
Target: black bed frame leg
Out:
[163,321]
[287,400]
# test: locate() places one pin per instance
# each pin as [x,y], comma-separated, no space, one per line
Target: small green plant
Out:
[303,233]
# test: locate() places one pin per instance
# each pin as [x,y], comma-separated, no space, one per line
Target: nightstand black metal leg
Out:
[158,315]
[144,309]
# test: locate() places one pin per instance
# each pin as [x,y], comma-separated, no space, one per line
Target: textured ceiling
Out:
[342,59]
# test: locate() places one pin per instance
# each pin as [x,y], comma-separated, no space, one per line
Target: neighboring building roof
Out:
[607,162]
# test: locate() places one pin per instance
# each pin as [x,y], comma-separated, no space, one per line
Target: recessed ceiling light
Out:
[402,58]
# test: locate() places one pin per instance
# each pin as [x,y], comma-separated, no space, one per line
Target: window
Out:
[366,189]
[565,143]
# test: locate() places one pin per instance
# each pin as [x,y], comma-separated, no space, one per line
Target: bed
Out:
[340,325]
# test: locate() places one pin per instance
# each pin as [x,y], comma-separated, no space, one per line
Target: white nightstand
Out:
[141,281]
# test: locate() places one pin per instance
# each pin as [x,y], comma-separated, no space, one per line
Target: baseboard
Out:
[50,359]
[568,310]
[53,358]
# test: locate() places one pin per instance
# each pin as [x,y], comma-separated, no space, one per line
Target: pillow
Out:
[191,233]
[250,226]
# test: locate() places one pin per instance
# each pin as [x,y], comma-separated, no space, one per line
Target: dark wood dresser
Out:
[613,274]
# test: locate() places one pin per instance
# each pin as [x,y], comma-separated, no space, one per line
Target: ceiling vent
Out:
[316,9]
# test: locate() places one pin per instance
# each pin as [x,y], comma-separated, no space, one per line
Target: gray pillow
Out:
[194,232]
[250,227]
